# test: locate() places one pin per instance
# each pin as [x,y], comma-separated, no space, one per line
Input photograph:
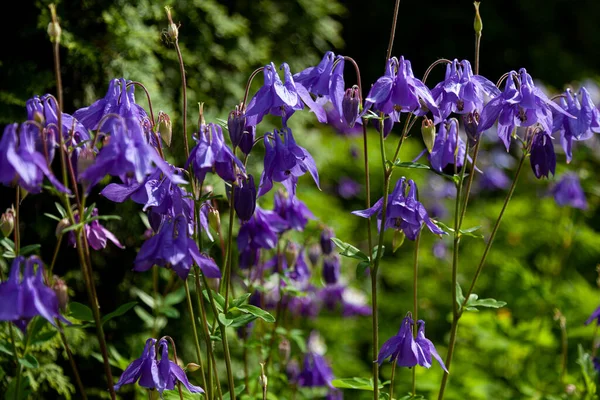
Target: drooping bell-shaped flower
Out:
[236,123]
[461,92]
[331,269]
[543,158]
[586,123]
[350,106]
[448,147]
[275,97]
[292,210]
[27,297]
[399,91]
[172,247]
[425,349]
[568,192]
[326,242]
[46,106]
[316,80]
[153,373]
[285,162]
[244,198]
[212,154]
[316,371]
[96,234]
[21,163]
[404,212]
[260,232]
[348,188]
[520,104]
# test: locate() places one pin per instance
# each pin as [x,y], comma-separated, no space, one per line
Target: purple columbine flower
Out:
[326,242]
[523,105]
[114,102]
[583,127]
[95,233]
[236,124]
[211,153]
[23,299]
[285,161]
[404,211]
[448,148]
[353,302]
[172,247]
[21,163]
[350,106]
[127,154]
[292,210]
[331,269]
[542,158]
[348,188]
[261,231]
[156,374]
[316,80]
[493,178]
[46,107]
[461,92]
[399,91]
[300,272]
[244,199]
[408,352]
[315,370]
[568,192]
[275,97]
[594,317]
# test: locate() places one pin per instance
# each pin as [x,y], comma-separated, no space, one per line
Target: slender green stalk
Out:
[54,257]
[392,378]
[63,338]
[393,31]
[210,359]
[227,278]
[415,305]
[19,366]
[195,332]
[16,230]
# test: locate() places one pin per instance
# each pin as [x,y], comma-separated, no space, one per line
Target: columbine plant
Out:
[262,256]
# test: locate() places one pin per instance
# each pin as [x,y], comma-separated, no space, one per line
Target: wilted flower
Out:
[582,127]
[27,297]
[523,105]
[568,192]
[153,373]
[95,233]
[172,247]
[211,153]
[275,97]
[404,211]
[285,161]
[542,158]
[461,92]
[292,210]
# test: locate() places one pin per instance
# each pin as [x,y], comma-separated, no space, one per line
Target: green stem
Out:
[17,223]
[227,278]
[415,305]
[195,332]
[394,362]
[210,359]
[19,366]
[63,338]
[54,257]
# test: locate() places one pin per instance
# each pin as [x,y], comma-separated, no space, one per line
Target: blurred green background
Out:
[543,261]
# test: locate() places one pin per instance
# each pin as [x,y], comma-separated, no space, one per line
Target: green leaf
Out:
[43,337]
[61,210]
[460,298]
[410,164]
[29,361]
[348,250]
[237,390]
[474,302]
[260,313]
[145,297]
[219,300]
[471,232]
[355,383]
[361,268]
[170,312]
[175,297]
[54,217]
[224,320]
[119,311]
[242,320]
[29,249]
[240,300]
[4,349]
[80,311]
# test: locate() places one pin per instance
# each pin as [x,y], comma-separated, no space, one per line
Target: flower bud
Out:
[264,382]
[398,240]
[165,128]
[291,254]
[192,367]
[62,224]
[428,133]
[471,122]
[214,219]
[314,252]
[350,104]
[247,139]
[331,269]
[39,118]
[285,350]
[54,30]
[172,30]
[7,222]
[62,293]
[244,200]
[236,123]
[326,243]
[478,23]
[85,159]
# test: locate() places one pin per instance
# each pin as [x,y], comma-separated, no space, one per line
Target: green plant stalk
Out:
[17,223]
[195,332]
[415,306]
[227,277]
[454,328]
[392,378]
[19,366]
[222,328]
[63,338]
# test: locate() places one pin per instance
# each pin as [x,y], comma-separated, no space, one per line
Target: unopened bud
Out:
[39,118]
[172,30]
[247,139]
[350,104]
[62,292]
[398,240]
[165,128]
[291,254]
[192,367]
[471,123]
[54,30]
[428,133]
[85,159]
[326,243]
[201,120]
[478,24]
[62,225]
[314,252]
[214,219]
[331,269]
[285,350]
[236,123]
[7,222]
[264,382]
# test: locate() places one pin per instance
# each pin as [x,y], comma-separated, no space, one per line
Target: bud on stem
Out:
[478,24]
[54,30]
